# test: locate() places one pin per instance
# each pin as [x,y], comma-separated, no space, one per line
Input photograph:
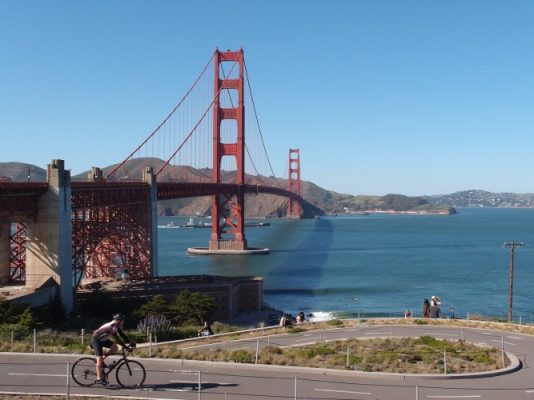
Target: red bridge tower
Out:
[228,211]
[294,209]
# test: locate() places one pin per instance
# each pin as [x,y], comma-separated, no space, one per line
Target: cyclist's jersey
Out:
[107,330]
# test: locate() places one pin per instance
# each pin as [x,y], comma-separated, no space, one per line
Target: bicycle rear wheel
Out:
[83,371]
[131,374]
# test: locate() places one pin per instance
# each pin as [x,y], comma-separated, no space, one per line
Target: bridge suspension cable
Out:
[110,174]
[196,125]
[259,126]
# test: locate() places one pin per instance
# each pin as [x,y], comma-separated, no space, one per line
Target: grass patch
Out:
[400,355]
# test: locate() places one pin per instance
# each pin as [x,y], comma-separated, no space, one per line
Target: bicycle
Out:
[129,373]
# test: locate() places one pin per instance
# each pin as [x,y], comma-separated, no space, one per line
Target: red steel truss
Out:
[228,212]
[111,230]
[17,254]
[295,185]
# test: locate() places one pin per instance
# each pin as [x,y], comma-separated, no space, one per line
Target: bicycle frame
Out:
[115,364]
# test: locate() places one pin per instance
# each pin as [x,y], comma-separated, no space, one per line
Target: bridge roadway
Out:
[178,379]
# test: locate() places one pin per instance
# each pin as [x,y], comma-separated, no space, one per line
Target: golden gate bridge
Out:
[67,229]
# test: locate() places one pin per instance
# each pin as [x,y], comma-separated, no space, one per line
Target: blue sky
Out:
[411,97]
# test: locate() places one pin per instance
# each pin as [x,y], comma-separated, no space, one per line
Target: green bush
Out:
[311,352]
[335,322]
[296,329]
[241,356]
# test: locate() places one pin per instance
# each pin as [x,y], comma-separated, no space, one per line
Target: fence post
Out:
[445,362]
[12,339]
[257,350]
[149,336]
[416,392]
[462,333]
[68,380]
[348,355]
[34,340]
[199,386]
[502,351]
[295,388]
[83,333]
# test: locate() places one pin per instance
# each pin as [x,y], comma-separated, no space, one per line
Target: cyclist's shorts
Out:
[98,346]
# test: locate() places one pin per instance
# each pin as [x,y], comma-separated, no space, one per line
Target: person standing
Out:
[434,311]
[426,307]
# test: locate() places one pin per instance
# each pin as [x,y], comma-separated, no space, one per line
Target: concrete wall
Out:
[150,178]
[49,252]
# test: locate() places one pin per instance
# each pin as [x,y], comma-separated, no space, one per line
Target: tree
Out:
[156,306]
[26,319]
[192,307]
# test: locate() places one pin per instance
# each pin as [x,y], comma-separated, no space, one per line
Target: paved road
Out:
[177,379]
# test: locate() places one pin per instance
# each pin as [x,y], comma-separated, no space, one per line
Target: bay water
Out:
[376,265]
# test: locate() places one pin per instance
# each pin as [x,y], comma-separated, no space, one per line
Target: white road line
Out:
[377,333]
[91,395]
[514,337]
[203,383]
[301,340]
[28,374]
[297,345]
[474,396]
[529,391]
[500,341]
[340,391]
[441,334]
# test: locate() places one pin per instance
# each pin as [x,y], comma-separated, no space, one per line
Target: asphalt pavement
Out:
[179,379]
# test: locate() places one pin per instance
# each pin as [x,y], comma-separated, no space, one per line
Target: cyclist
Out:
[101,339]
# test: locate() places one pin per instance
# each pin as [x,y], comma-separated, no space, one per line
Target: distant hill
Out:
[21,172]
[318,201]
[481,198]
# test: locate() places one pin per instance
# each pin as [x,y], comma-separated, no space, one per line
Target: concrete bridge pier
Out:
[49,251]
[150,178]
[5,250]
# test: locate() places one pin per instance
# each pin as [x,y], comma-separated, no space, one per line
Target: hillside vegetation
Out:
[318,201]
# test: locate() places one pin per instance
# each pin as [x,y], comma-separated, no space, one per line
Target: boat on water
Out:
[191,223]
[169,225]
[257,224]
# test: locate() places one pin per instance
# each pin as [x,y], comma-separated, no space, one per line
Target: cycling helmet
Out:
[119,317]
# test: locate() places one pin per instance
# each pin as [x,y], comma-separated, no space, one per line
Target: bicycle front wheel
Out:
[83,371]
[131,374]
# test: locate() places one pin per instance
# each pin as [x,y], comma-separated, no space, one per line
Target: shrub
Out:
[296,329]
[241,356]
[335,322]
[156,324]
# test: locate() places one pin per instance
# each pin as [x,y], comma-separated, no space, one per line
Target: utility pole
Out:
[512,246]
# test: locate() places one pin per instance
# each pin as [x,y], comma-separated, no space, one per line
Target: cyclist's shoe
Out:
[102,382]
